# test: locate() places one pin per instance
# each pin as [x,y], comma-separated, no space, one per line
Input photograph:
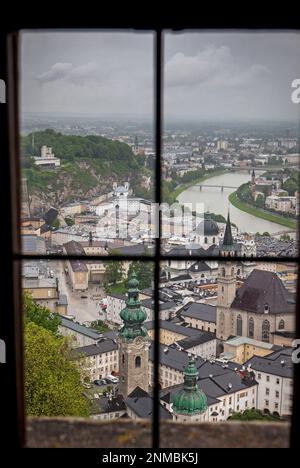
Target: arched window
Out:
[251,328]
[205,240]
[214,240]
[238,272]
[281,325]
[138,361]
[266,331]
[232,271]
[123,358]
[223,272]
[239,325]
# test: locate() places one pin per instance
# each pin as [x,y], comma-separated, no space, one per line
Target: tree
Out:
[291,186]
[70,221]
[53,380]
[40,315]
[260,201]
[253,415]
[144,272]
[56,223]
[114,272]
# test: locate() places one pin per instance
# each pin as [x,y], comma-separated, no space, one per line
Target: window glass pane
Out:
[231,142]
[87,150]
[88,339]
[228,343]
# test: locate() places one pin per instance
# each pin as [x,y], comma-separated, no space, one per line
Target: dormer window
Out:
[266,308]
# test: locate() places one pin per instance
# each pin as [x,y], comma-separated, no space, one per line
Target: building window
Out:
[281,325]
[251,328]
[138,361]
[266,331]
[239,326]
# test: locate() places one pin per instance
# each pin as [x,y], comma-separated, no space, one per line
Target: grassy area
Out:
[184,187]
[99,326]
[119,288]
[235,201]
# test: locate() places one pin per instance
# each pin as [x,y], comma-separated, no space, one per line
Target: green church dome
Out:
[190,400]
[133,315]
[133,282]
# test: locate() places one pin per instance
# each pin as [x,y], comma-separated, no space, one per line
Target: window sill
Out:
[126,433]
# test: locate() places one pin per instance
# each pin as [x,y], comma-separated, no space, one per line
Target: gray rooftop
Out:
[278,363]
[141,403]
[205,312]
[78,328]
[103,345]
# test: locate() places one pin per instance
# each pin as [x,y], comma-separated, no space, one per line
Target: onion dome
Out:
[133,315]
[190,400]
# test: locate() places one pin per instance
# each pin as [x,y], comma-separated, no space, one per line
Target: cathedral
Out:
[259,309]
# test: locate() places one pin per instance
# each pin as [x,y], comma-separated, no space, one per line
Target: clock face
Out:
[139,341]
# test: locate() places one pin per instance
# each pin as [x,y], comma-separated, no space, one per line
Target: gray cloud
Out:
[208,75]
[78,75]
[212,65]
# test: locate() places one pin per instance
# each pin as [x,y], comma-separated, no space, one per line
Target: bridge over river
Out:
[215,186]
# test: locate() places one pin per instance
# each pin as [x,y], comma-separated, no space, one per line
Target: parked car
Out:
[87,385]
[112,379]
[100,382]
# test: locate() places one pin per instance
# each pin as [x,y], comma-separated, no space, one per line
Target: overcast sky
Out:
[207,75]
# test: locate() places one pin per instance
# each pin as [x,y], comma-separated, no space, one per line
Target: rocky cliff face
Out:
[80,183]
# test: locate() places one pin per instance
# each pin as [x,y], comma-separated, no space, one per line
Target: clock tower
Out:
[226,286]
[133,343]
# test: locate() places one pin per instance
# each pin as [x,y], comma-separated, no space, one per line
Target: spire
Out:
[228,240]
[190,400]
[133,315]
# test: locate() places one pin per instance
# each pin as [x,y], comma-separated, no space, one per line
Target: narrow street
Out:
[83,309]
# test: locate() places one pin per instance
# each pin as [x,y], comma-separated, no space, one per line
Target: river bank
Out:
[241,205]
[215,200]
[186,186]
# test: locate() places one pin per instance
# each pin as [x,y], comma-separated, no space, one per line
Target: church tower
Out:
[136,146]
[226,285]
[133,343]
[190,403]
[253,182]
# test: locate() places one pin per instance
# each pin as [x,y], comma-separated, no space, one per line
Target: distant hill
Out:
[89,167]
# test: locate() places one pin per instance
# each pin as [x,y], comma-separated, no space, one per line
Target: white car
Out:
[112,379]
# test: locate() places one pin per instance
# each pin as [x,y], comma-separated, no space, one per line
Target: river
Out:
[216,201]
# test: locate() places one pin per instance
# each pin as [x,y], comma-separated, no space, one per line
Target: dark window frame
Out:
[11,323]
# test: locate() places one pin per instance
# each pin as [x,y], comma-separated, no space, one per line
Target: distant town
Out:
[226,328]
